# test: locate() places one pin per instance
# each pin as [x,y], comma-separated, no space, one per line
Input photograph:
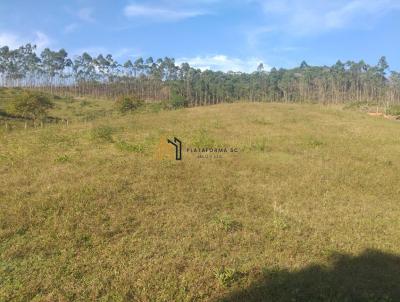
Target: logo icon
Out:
[178,147]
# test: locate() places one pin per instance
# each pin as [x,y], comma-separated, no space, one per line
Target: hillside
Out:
[306,209]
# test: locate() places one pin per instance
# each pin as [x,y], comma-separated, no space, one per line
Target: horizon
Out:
[279,34]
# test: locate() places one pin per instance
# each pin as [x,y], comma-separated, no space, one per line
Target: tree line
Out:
[162,79]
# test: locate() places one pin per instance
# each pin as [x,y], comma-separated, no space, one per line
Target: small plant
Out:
[315,143]
[102,134]
[281,223]
[228,224]
[124,146]
[226,276]
[128,104]
[260,145]
[63,159]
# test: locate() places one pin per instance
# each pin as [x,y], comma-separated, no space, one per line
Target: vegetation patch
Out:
[128,104]
[135,148]
[63,159]
[226,276]
[262,121]
[203,139]
[394,110]
[227,224]
[261,145]
[313,142]
[31,105]
[102,133]
[281,223]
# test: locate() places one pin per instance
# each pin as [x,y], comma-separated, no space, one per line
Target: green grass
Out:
[308,210]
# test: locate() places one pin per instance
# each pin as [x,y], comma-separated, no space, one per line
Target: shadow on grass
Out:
[372,276]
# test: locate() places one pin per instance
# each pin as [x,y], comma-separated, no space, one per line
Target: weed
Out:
[226,276]
[228,224]
[63,159]
[315,143]
[281,223]
[261,145]
[124,146]
[102,134]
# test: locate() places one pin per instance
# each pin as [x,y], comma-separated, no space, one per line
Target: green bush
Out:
[34,105]
[177,101]
[394,110]
[128,104]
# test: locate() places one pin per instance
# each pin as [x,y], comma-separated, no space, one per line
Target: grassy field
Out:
[307,210]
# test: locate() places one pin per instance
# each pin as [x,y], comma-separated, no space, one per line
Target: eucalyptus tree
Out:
[158,79]
[139,66]
[53,64]
[129,69]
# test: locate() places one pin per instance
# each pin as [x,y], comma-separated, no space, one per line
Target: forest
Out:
[161,79]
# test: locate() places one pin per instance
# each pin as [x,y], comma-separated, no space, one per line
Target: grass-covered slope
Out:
[307,210]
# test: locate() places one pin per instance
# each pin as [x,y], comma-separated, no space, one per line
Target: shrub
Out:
[128,104]
[177,101]
[394,110]
[34,105]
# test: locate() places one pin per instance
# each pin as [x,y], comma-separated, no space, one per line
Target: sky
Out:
[222,35]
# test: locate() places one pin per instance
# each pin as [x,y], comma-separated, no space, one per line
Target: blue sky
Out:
[216,34]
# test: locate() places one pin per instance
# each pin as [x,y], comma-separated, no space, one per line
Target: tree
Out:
[159,79]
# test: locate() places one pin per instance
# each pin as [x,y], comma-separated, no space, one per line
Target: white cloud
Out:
[223,63]
[307,17]
[42,40]
[12,40]
[160,13]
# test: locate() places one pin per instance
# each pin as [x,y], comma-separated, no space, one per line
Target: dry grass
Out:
[86,219]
